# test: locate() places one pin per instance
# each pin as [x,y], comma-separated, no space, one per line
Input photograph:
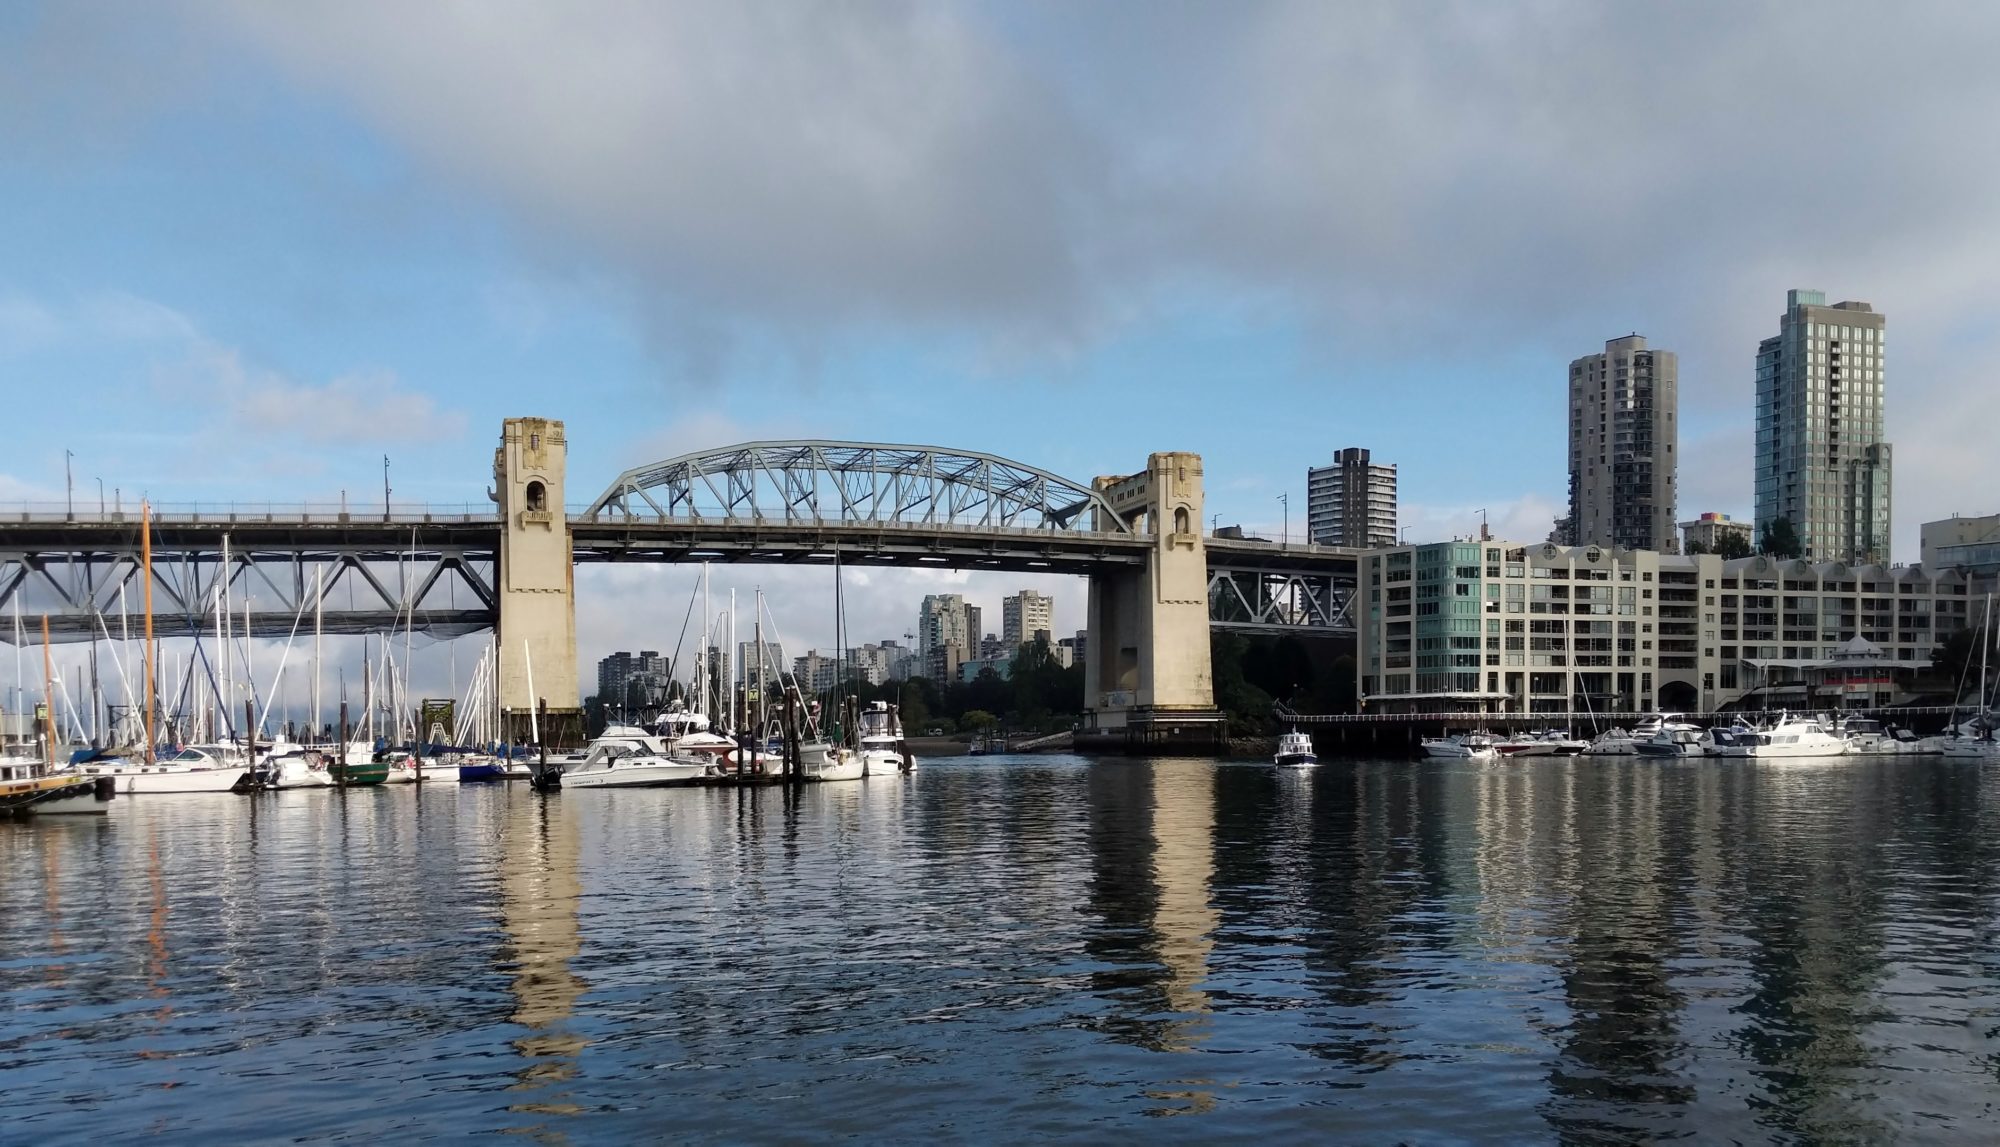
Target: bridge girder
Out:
[853,483]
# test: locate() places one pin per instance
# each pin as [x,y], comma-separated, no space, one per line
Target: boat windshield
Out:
[875,724]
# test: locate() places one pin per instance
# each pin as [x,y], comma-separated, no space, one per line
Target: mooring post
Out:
[342,751]
[250,734]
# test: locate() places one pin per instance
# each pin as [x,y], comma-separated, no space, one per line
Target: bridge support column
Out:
[1147,679]
[537,584]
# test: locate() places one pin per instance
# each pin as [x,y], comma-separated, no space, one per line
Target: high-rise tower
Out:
[1352,502]
[1822,465]
[1621,446]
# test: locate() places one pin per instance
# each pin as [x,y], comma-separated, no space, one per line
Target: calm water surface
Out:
[1006,949]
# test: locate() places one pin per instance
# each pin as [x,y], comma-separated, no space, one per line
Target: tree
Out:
[1954,659]
[1733,545]
[1697,546]
[978,719]
[1781,538]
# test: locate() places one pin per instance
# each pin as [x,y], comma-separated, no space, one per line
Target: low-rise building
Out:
[1706,533]
[1971,544]
[1509,628]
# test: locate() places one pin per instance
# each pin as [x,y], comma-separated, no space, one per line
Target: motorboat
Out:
[1867,737]
[401,767]
[1613,742]
[1972,741]
[835,764]
[1794,736]
[194,769]
[298,768]
[1733,740]
[883,751]
[612,764]
[1674,739]
[1462,746]
[1524,745]
[1295,750]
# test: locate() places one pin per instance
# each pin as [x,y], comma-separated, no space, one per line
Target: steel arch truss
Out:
[1265,600]
[93,595]
[853,483]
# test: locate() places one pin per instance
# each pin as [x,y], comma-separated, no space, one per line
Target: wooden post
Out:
[343,745]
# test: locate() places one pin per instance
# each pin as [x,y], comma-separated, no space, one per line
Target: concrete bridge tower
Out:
[537,629]
[1147,677]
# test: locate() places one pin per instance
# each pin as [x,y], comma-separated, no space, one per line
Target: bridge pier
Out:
[536,633]
[1148,683]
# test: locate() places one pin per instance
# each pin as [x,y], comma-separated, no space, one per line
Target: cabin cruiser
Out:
[883,752]
[1734,741]
[1613,742]
[1797,737]
[629,764]
[1462,746]
[1295,750]
[1868,737]
[1674,739]
[689,732]
[1543,743]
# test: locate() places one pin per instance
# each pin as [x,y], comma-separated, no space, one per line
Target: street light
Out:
[69,484]
[1286,499]
[100,497]
[385,487]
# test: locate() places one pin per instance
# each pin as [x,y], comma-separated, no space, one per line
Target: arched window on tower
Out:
[1180,520]
[538,496]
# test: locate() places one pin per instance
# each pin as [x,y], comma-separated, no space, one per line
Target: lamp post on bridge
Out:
[1286,500]
[100,497]
[385,487]
[69,486]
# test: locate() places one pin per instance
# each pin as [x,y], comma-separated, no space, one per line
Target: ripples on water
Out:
[1024,948]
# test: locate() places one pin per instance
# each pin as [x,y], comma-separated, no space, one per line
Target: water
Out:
[1005,949]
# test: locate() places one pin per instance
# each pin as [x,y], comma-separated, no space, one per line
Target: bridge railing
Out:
[1602,719]
[224,513]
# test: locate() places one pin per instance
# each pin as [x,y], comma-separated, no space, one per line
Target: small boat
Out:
[1675,739]
[835,764]
[1867,737]
[1736,740]
[357,772]
[624,764]
[883,750]
[402,767]
[1295,750]
[27,786]
[298,769]
[1797,737]
[1462,746]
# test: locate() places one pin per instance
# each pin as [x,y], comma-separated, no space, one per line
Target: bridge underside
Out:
[946,547]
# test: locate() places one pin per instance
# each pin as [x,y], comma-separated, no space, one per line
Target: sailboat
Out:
[27,785]
[1978,744]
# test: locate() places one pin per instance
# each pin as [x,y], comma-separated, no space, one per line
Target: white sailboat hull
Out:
[141,780]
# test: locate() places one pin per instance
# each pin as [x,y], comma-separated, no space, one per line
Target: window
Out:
[538,495]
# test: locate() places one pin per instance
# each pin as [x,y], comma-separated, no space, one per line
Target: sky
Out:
[247,250]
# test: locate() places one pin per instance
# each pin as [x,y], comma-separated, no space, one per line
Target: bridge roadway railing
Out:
[251,513]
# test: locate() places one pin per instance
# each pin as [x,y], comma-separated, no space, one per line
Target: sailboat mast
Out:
[49,691]
[757,637]
[319,599]
[734,655]
[1985,643]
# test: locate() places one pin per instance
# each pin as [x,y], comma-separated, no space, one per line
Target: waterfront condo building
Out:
[1352,502]
[1024,616]
[1821,462]
[1501,627]
[1621,446]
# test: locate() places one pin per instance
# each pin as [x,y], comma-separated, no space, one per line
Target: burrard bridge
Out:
[1158,583]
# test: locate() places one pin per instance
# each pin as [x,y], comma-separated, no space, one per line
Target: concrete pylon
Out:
[1147,677]
[537,586]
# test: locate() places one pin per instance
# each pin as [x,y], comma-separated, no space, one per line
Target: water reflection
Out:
[1570,951]
[540,895]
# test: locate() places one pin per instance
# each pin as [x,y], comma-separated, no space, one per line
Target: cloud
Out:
[362,408]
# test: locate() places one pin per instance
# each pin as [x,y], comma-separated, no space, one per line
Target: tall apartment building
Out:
[947,632]
[815,672]
[1025,615]
[747,662]
[1621,447]
[1505,627]
[615,671]
[1821,462]
[1352,502]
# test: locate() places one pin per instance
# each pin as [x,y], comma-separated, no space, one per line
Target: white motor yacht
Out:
[627,764]
[1462,746]
[1613,742]
[1295,750]
[1796,737]
[883,752]
[1867,737]
[834,764]
[195,769]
